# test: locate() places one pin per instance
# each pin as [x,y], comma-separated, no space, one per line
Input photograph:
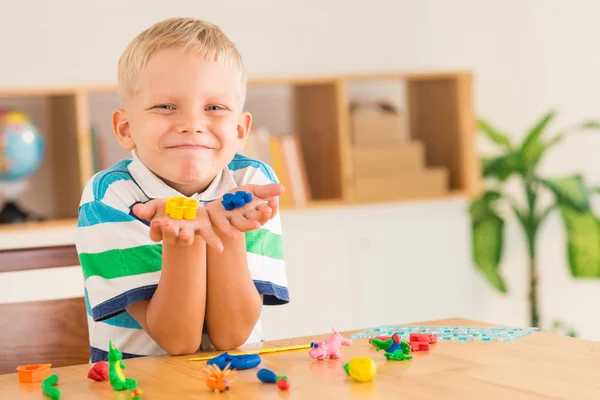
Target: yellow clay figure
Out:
[362,369]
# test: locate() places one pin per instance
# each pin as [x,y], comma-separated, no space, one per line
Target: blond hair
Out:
[191,35]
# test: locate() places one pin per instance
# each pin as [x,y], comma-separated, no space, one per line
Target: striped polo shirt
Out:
[122,265]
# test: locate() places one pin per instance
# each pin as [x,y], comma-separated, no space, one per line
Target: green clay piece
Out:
[115,370]
[48,389]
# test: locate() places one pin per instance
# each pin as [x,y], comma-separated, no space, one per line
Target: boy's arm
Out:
[234,305]
[233,302]
[175,315]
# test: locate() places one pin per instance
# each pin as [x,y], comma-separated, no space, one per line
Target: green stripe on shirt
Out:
[122,262]
[265,243]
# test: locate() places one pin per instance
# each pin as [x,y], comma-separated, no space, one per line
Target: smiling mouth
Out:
[190,147]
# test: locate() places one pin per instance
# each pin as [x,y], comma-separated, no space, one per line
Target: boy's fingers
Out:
[186,236]
[273,205]
[267,191]
[155,231]
[221,222]
[170,232]
[261,214]
[148,210]
[204,227]
[253,215]
[243,224]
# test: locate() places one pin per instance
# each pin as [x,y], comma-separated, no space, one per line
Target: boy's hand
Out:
[177,231]
[250,216]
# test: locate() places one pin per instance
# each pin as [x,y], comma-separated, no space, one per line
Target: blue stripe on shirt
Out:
[106,178]
[118,304]
[240,161]
[273,295]
[96,212]
[122,320]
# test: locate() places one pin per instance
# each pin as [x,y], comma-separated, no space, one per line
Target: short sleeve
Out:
[264,247]
[121,264]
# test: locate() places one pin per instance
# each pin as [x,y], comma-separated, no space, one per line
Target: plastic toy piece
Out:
[181,207]
[239,199]
[361,369]
[115,370]
[449,333]
[33,373]
[219,380]
[239,362]
[99,372]
[48,387]
[329,347]
[268,376]
[422,337]
[419,346]
[395,348]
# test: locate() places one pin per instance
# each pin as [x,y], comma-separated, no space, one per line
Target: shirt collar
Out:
[154,187]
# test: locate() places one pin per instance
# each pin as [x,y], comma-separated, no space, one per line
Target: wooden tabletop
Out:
[537,366]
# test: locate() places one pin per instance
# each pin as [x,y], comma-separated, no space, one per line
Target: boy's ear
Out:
[122,129]
[243,128]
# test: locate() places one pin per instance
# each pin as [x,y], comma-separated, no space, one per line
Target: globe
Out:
[21,146]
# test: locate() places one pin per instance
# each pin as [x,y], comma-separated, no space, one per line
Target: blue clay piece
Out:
[266,376]
[245,361]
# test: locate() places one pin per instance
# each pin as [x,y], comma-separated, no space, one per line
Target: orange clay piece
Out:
[33,373]
[219,380]
[180,207]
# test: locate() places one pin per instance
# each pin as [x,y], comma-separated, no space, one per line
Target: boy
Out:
[154,284]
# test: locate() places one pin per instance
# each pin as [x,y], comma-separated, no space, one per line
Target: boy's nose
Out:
[192,124]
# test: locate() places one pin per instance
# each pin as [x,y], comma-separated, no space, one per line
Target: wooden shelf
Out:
[71,223]
[438,105]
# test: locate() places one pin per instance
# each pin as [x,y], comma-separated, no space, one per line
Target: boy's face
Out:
[184,119]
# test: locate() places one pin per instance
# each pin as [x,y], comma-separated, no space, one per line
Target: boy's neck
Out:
[188,190]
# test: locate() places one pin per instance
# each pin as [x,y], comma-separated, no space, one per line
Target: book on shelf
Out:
[283,154]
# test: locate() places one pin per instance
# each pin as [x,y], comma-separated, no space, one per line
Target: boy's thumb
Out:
[267,191]
[146,210]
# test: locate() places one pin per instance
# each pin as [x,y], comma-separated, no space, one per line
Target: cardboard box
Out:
[432,181]
[391,159]
[377,125]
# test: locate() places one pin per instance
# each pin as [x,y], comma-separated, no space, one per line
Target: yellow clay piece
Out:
[362,369]
[180,207]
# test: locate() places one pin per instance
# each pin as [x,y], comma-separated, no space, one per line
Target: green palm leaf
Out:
[540,148]
[569,190]
[583,241]
[502,167]
[501,139]
[590,125]
[536,132]
[482,206]
[488,238]
[532,147]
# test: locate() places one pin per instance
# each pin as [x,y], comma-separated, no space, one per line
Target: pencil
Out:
[258,351]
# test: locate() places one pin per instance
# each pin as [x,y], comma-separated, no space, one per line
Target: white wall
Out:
[528,56]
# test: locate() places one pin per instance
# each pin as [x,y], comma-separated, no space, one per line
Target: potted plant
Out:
[570,197]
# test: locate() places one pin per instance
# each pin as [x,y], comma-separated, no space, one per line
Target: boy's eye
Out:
[165,107]
[214,108]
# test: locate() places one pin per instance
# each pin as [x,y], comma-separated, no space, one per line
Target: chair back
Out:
[42,332]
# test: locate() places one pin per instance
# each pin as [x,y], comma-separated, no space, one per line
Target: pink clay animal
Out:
[329,347]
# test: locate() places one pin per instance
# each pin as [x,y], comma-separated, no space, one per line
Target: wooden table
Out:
[538,366]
